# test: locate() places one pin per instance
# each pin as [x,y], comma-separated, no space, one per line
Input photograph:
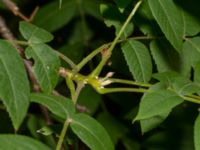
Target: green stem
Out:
[194,96]
[123,81]
[140,90]
[98,69]
[66,59]
[62,135]
[19,42]
[105,46]
[190,99]
[80,86]
[90,56]
[70,85]
[113,90]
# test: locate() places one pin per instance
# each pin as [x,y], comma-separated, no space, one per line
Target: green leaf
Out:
[184,86]
[170,20]
[150,123]
[197,133]
[166,76]
[34,34]
[197,73]
[181,85]
[122,3]
[46,65]
[20,142]
[192,47]
[144,20]
[51,18]
[138,59]
[164,56]
[14,85]
[91,132]
[90,99]
[112,17]
[58,105]
[115,128]
[192,24]
[129,143]
[91,7]
[156,103]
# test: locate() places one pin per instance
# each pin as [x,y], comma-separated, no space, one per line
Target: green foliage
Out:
[46,65]
[170,20]
[61,87]
[14,84]
[33,34]
[158,102]
[20,142]
[60,106]
[134,53]
[53,14]
[91,132]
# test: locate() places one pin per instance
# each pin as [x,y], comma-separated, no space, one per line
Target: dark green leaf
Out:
[90,99]
[150,123]
[192,24]
[91,132]
[20,142]
[197,73]
[14,85]
[170,20]
[138,59]
[180,85]
[197,133]
[113,17]
[166,76]
[122,3]
[129,143]
[60,106]
[164,56]
[184,86]
[80,34]
[91,7]
[46,65]
[34,34]
[51,18]
[114,127]
[145,20]
[156,103]
[192,49]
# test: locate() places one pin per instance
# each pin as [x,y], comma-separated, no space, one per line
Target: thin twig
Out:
[15,9]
